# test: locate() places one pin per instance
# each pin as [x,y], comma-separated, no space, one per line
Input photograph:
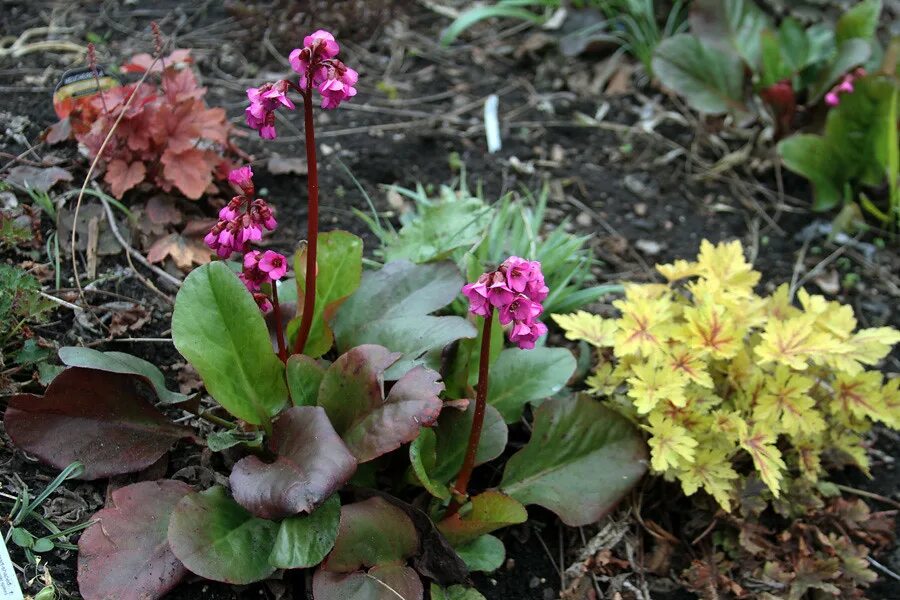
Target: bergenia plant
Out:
[370,370]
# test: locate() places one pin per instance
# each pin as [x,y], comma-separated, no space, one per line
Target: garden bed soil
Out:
[644,196]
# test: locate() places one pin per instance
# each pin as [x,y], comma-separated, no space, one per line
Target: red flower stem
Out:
[312,236]
[484,360]
[279,328]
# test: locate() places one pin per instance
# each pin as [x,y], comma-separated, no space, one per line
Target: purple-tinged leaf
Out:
[105,420]
[352,393]
[217,539]
[312,463]
[372,532]
[125,554]
[389,582]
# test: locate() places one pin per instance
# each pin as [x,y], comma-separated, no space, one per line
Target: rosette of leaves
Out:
[728,384]
[167,134]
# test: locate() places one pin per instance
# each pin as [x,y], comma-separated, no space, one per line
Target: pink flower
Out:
[338,86]
[477,294]
[846,86]
[251,259]
[323,43]
[243,178]
[520,309]
[274,264]
[318,67]
[832,99]
[526,334]
[263,302]
[264,100]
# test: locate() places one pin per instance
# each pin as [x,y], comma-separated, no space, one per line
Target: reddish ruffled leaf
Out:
[372,425]
[105,420]
[311,464]
[141,62]
[125,554]
[388,582]
[189,171]
[372,532]
[121,176]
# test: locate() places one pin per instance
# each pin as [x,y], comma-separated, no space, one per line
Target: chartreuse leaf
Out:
[217,539]
[352,393]
[455,592]
[339,260]
[219,329]
[385,582]
[119,362]
[124,554]
[486,512]
[711,81]
[304,541]
[581,460]
[522,376]
[861,21]
[372,532]
[485,553]
[304,376]
[311,463]
[391,308]
[105,420]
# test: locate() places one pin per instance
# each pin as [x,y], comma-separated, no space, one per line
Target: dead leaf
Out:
[128,319]
[37,178]
[280,165]
[185,251]
[161,210]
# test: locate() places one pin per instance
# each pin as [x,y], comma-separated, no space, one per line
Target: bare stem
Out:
[312,236]
[279,329]
[484,359]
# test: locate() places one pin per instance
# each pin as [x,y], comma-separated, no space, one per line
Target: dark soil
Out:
[419,103]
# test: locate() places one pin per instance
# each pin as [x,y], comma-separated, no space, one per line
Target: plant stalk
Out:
[484,360]
[312,236]
[279,328]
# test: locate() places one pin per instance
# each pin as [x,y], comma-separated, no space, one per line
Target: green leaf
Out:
[484,513]
[119,362]
[304,540]
[217,539]
[43,545]
[455,592]
[522,376]
[422,457]
[223,440]
[730,26]
[773,67]
[391,308]
[796,46]
[810,156]
[861,21]
[219,329]
[339,260]
[710,81]
[452,433]
[372,532]
[509,10]
[485,553]
[850,53]
[438,229]
[22,538]
[581,460]
[304,376]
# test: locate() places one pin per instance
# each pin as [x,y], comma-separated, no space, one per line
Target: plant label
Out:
[9,585]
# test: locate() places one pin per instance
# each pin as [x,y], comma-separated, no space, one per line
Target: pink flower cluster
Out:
[516,290]
[318,68]
[241,222]
[833,97]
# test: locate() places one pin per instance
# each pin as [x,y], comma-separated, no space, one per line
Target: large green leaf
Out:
[304,376]
[522,376]
[217,539]
[711,81]
[438,229]
[219,329]
[810,156]
[372,532]
[582,458]
[730,26]
[391,308]
[304,540]
[119,362]
[339,260]
[861,21]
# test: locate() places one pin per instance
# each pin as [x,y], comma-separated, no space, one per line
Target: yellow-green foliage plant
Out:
[722,378]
